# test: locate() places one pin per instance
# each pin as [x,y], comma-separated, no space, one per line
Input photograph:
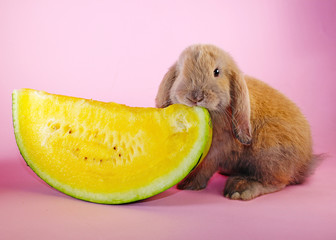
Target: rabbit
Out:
[260,137]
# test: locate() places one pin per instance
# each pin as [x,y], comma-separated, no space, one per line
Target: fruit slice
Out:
[107,152]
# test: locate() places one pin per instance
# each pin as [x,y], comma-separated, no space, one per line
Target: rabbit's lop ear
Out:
[240,106]
[163,96]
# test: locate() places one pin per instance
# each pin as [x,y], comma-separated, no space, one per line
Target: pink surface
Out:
[118,51]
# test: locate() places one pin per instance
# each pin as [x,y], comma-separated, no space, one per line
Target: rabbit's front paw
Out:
[191,184]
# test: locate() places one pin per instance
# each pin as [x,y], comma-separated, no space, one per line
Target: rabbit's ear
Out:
[163,96]
[240,106]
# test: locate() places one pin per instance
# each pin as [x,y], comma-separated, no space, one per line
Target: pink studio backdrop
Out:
[118,51]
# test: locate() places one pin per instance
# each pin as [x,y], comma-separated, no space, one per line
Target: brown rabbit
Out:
[260,138]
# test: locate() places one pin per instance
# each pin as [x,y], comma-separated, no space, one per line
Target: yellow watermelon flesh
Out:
[107,152]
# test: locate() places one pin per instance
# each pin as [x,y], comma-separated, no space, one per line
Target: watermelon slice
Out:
[107,152]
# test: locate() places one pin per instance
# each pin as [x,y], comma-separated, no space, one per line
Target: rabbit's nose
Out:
[196,96]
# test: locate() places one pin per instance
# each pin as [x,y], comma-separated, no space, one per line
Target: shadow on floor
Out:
[15,175]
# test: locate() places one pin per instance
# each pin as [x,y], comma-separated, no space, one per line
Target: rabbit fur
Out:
[260,138]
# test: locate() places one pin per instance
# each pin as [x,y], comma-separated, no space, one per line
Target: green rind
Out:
[201,148]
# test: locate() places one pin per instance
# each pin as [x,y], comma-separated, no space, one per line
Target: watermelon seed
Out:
[85,158]
[70,131]
[101,160]
[119,155]
[56,126]
[139,149]
[115,147]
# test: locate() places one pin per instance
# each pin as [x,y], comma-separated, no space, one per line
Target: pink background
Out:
[118,51]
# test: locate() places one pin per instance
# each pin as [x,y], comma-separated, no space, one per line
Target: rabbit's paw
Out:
[244,188]
[190,183]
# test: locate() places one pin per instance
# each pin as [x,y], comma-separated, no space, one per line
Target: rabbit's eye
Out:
[216,72]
